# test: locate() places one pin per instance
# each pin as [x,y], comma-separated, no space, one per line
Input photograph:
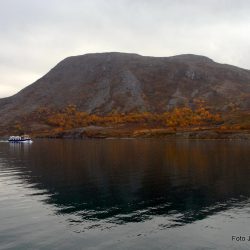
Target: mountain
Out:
[104,82]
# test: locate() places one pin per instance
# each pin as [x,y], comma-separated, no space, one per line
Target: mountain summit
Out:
[107,82]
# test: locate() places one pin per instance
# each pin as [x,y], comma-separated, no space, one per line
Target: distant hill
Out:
[105,82]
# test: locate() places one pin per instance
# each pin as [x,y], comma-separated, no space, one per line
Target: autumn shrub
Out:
[70,117]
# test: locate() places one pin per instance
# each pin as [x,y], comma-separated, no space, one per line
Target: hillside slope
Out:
[105,82]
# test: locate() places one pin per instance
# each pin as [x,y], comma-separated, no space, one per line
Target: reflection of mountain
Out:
[122,181]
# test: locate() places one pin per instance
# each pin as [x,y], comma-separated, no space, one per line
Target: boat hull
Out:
[24,140]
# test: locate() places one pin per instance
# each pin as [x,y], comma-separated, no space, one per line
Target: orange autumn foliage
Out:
[70,118]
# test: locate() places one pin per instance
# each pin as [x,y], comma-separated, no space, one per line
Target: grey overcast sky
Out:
[35,35]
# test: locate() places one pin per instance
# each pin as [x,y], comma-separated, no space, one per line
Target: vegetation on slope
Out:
[69,118]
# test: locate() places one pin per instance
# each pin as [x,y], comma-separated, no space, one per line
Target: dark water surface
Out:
[124,194]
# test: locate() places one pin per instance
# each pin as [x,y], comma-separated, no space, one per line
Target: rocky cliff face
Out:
[105,82]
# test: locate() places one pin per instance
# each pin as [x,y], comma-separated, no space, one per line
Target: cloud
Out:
[37,35]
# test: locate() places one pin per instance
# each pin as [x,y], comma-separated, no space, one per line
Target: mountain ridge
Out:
[122,82]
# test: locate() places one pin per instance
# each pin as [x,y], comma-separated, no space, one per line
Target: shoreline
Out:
[151,133]
[100,132]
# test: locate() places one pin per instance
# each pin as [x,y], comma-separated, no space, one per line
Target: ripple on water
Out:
[68,194]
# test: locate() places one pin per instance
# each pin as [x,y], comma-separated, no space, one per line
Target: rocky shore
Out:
[110,132]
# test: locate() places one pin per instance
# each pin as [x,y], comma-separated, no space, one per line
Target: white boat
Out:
[22,138]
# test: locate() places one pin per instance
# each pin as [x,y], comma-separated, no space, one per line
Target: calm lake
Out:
[124,194]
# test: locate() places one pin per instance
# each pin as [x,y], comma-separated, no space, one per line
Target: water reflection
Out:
[120,181]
